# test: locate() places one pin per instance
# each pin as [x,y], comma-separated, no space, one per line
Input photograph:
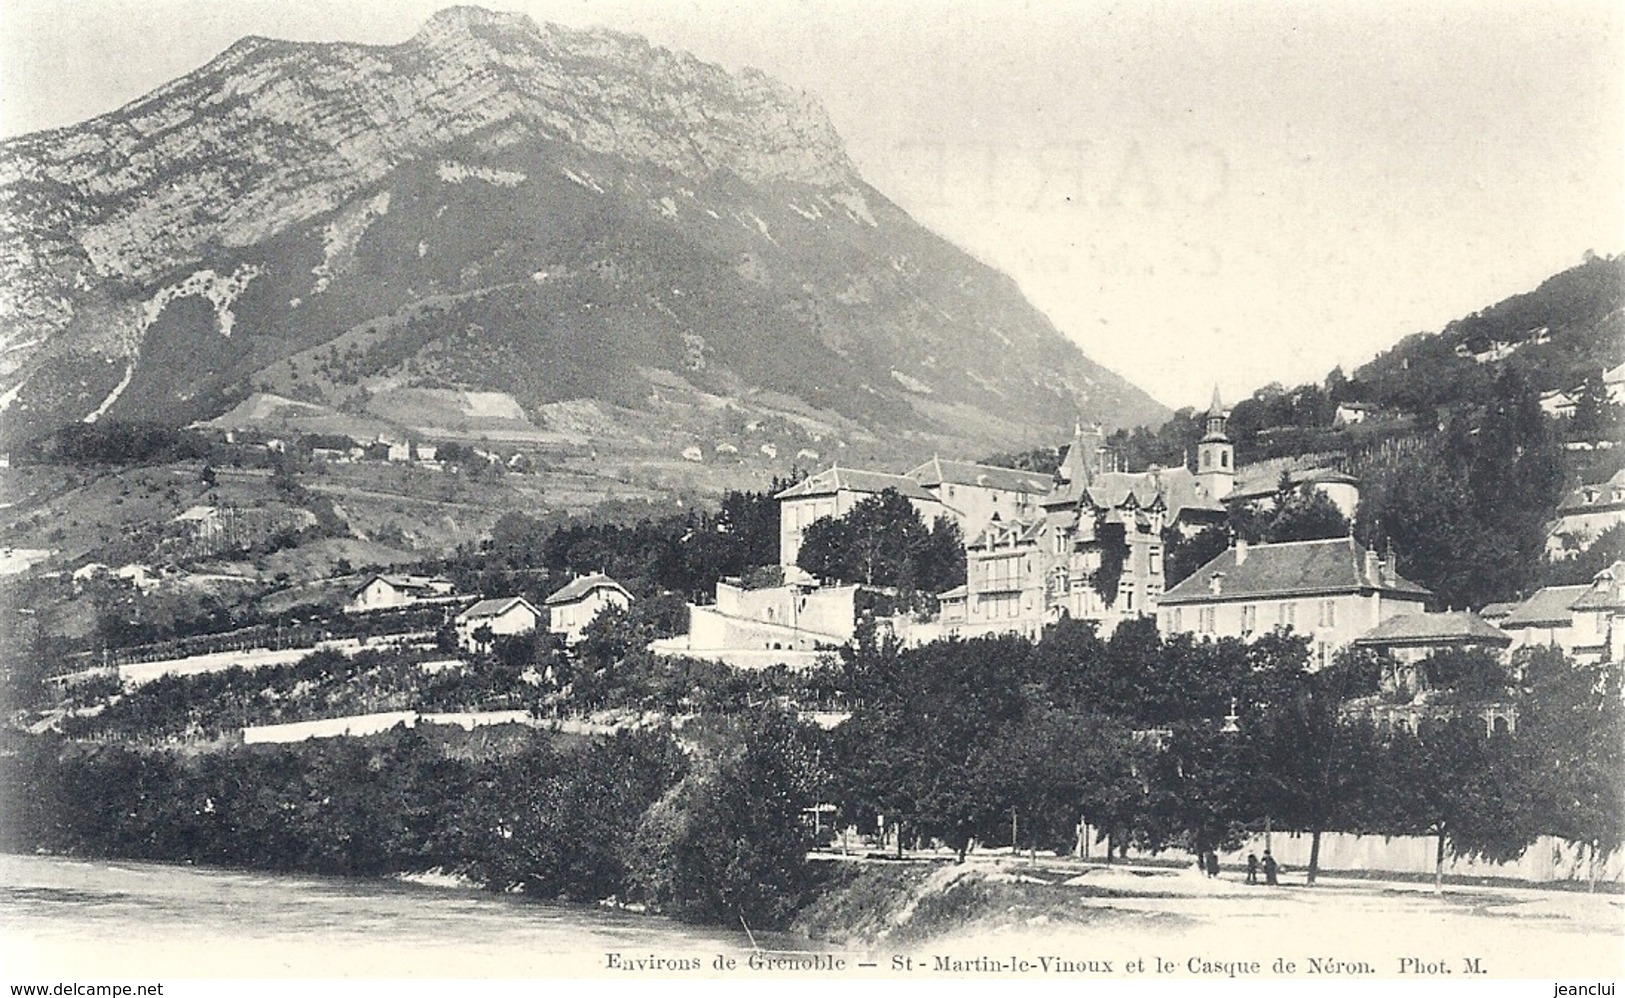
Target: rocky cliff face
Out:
[493,204]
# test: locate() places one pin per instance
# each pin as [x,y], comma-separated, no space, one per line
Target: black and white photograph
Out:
[875,495]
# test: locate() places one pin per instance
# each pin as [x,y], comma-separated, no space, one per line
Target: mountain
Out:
[592,230]
[1554,337]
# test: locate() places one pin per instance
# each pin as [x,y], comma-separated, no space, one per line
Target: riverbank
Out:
[1117,914]
[127,919]
[934,919]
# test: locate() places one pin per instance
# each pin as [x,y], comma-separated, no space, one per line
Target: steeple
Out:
[1216,455]
[1217,416]
[1082,457]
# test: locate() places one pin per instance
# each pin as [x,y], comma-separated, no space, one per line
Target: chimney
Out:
[1373,568]
[1241,550]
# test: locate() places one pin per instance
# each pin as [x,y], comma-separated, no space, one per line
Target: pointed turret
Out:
[1217,416]
[1216,455]
[1082,456]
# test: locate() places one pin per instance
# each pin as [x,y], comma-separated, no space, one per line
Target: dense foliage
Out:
[682,552]
[882,541]
[1466,509]
[114,442]
[713,835]
[1192,744]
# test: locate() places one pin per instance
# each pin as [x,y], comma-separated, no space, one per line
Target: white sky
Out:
[1239,192]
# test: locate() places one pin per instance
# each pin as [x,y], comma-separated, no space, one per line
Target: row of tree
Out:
[713,834]
[1157,743]
[1180,743]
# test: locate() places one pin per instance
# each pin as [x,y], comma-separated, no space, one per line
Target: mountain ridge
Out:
[286,194]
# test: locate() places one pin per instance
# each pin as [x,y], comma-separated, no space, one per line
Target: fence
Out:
[1548,859]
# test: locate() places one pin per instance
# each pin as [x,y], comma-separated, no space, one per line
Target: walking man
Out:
[1252,868]
[1270,867]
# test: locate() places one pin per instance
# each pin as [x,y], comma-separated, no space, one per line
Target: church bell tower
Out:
[1216,455]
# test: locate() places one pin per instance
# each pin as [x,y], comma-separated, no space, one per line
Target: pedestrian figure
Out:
[1252,868]
[1270,866]
[1212,863]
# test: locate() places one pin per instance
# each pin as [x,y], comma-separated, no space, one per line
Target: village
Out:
[1034,547]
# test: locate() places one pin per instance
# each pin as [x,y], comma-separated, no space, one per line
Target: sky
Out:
[1196,192]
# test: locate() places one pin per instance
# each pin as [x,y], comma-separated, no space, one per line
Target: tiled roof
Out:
[957,592]
[1007,532]
[1178,489]
[1459,627]
[837,479]
[937,472]
[1295,568]
[410,583]
[1595,498]
[1604,594]
[1066,494]
[1547,606]
[1260,485]
[494,608]
[578,588]
[407,581]
[1493,611]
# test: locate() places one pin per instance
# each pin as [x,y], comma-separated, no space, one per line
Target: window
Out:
[1128,600]
[1059,584]
[1208,625]
[1155,553]
[1207,459]
[1328,613]
[1288,614]
[1224,459]
[1249,619]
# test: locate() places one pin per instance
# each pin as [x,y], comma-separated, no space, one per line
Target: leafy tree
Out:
[1452,780]
[1596,417]
[1472,674]
[727,842]
[564,824]
[1466,512]
[1066,766]
[1315,767]
[921,719]
[882,541]
[1201,790]
[1605,549]
[1182,555]
[1571,727]
[1306,514]
[1044,460]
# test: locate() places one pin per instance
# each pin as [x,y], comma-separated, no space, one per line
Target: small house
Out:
[479,625]
[381,592]
[572,608]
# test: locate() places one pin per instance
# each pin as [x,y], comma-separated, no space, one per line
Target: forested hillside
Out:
[1461,467]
